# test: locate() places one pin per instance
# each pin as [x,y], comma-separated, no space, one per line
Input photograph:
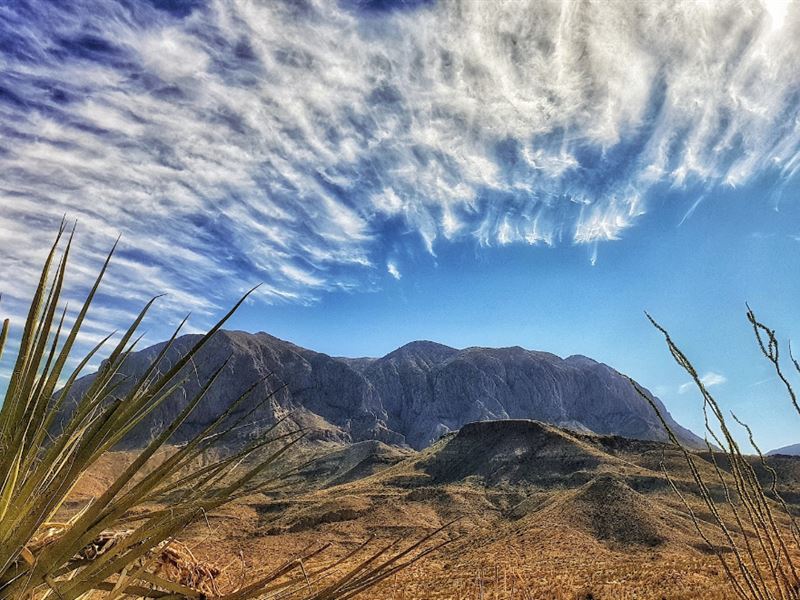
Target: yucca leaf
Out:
[31,322]
[3,335]
[10,483]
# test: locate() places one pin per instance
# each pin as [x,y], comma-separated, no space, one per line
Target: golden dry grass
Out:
[562,543]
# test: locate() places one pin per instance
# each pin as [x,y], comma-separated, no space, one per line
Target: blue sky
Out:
[476,173]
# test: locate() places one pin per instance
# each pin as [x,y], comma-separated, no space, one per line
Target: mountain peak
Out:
[423,349]
[581,359]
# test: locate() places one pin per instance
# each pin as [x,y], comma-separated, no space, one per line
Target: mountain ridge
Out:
[790,450]
[411,396]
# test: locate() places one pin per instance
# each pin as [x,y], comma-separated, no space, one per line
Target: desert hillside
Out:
[534,511]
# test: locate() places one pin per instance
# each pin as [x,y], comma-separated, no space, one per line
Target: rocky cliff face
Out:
[411,396]
[428,389]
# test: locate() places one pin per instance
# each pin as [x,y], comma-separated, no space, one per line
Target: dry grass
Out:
[527,540]
[511,560]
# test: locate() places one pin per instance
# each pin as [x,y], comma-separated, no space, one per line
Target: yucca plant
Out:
[760,534]
[111,546]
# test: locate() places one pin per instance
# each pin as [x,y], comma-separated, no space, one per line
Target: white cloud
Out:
[172,54]
[393,270]
[258,141]
[710,379]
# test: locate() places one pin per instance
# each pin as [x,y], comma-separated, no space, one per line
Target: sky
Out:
[475,173]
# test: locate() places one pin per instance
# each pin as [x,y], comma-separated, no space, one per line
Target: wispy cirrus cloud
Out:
[709,379]
[237,141]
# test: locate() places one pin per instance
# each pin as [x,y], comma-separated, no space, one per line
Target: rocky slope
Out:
[411,396]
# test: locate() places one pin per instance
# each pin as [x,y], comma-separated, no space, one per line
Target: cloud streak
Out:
[710,379]
[297,142]
[392,269]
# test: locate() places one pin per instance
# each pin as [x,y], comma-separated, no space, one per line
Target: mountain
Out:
[429,389]
[412,396]
[791,450]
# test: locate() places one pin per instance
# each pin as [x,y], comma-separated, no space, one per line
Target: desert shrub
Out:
[122,544]
[760,534]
